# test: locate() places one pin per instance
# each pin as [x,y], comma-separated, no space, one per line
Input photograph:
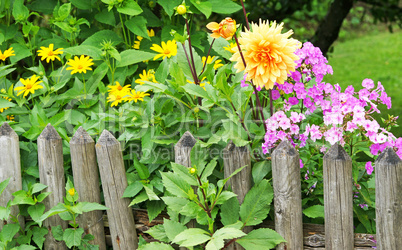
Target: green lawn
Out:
[376,56]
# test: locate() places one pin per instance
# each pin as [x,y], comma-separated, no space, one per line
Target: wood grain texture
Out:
[86,183]
[114,182]
[51,173]
[235,158]
[182,153]
[338,199]
[287,195]
[10,167]
[388,182]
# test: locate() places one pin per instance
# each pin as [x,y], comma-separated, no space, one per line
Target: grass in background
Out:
[376,56]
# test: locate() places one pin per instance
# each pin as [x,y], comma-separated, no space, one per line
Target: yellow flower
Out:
[135,96]
[136,45]
[181,9]
[30,85]
[217,63]
[231,47]
[115,98]
[226,28]
[146,76]
[71,191]
[49,53]
[118,89]
[168,49]
[8,99]
[10,117]
[7,53]
[80,65]
[269,55]
[192,170]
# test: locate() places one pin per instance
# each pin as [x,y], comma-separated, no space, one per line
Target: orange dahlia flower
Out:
[269,55]
[226,28]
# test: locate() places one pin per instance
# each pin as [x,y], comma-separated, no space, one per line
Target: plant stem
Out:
[245,14]
[205,64]
[190,47]
[205,198]
[122,28]
[271,107]
[241,121]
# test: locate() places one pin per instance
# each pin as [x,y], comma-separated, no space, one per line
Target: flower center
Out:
[28,86]
[50,53]
[119,87]
[2,57]
[80,67]
[166,51]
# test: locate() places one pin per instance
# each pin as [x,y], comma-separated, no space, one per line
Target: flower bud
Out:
[192,170]
[196,109]
[3,91]
[181,9]
[71,191]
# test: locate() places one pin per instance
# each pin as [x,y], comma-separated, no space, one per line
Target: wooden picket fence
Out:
[105,157]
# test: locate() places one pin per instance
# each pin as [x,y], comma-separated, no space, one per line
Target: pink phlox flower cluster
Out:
[369,168]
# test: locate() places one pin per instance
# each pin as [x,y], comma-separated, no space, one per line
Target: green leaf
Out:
[37,187]
[260,170]
[224,196]
[36,211]
[256,204]
[57,233]
[154,208]
[158,233]
[38,235]
[91,206]
[4,103]
[175,185]
[22,52]
[142,170]
[192,237]
[204,6]
[208,170]
[175,203]
[169,5]
[72,236]
[261,239]
[64,11]
[106,17]
[129,7]
[5,212]
[155,245]
[42,196]
[138,25]
[162,72]
[225,233]
[183,63]
[99,37]
[224,6]
[88,50]
[133,56]
[230,211]
[133,189]
[83,5]
[173,228]
[155,87]
[314,211]
[59,208]
[8,232]
[139,198]
[20,11]
[4,184]
[184,174]
[150,193]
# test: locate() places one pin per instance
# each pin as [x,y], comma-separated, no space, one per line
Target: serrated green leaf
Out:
[57,232]
[230,211]
[36,211]
[8,232]
[4,184]
[129,7]
[260,170]
[37,187]
[132,56]
[184,173]
[208,170]
[154,208]
[261,239]
[224,6]
[38,235]
[175,203]
[139,198]
[169,5]
[72,236]
[256,204]
[155,245]
[204,6]
[150,193]
[175,185]
[225,233]
[191,237]
[88,50]
[314,211]
[173,228]
[133,189]
[138,25]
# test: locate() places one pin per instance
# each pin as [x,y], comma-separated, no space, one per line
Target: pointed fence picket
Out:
[124,223]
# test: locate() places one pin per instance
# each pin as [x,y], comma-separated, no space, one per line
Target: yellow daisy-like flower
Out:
[118,89]
[71,191]
[168,49]
[146,76]
[135,96]
[10,117]
[115,98]
[217,63]
[30,85]
[49,53]
[231,47]
[80,65]
[7,53]
[269,55]
[136,45]
[8,99]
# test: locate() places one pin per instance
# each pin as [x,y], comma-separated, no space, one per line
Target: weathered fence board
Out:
[287,195]
[86,182]
[114,182]
[10,167]
[51,173]
[388,180]
[338,199]
[235,158]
